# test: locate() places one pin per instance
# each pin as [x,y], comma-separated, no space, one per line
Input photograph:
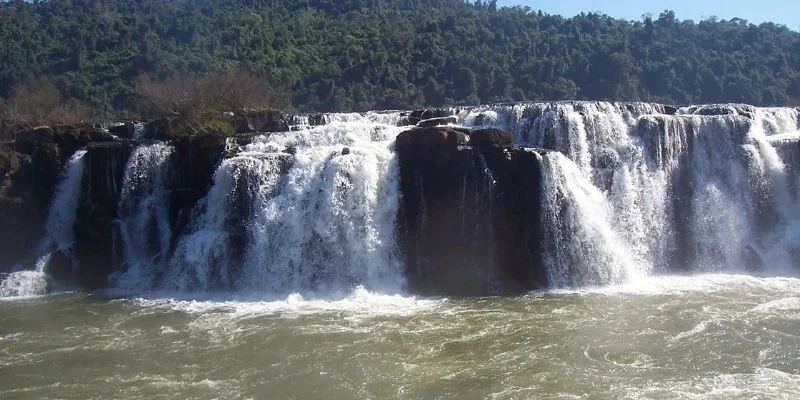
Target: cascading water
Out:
[143,216]
[320,219]
[308,230]
[59,232]
[626,190]
[657,190]
[582,246]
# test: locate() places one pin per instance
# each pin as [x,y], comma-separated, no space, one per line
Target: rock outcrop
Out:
[31,160]
[468,219]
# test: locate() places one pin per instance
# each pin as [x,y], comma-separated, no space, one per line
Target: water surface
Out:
[706,337]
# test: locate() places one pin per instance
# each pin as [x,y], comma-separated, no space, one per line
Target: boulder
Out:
[9,130]
[10,162]
[491,137]
[159,129]
[60,266]
[260,121]
[316,119]
[670,110]
[414,117]
[124,131]
[429,138]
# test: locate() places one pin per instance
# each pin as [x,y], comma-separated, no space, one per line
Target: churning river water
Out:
[676,337]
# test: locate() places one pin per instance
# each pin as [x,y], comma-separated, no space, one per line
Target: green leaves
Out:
[366,54]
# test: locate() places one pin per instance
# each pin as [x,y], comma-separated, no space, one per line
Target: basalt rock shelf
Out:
[470,201]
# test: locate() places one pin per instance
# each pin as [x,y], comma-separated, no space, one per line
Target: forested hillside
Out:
[380,54]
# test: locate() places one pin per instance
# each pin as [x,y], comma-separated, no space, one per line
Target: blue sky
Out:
[785,12]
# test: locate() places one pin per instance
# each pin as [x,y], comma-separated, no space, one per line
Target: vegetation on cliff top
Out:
[371,54]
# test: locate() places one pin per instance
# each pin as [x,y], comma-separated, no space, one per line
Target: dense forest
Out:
[328,55]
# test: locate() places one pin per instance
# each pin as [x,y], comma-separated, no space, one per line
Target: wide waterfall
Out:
[590,194]
[59,234]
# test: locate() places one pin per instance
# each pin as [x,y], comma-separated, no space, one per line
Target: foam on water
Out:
[656,285]
[360,302]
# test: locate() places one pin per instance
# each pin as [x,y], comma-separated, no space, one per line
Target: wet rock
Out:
[468,217]
[260,121]
[194,162]
[414,117]
[10,162]
[60,267]
[345,151]
[316,119]
[670,110]
[159,129]
[490,137]
[123,131]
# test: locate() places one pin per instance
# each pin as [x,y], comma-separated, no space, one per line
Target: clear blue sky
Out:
[786,12]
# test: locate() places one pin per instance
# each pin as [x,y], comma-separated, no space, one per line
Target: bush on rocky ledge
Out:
[39,102]
[206,104]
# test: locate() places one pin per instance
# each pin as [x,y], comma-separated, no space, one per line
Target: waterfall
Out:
[144,221]
[59,232]
[311,210]
[582,245]
[705,189]
[615,191]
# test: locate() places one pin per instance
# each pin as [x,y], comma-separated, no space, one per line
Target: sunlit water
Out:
[706,337]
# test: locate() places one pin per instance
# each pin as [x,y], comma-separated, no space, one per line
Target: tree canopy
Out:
[331,55]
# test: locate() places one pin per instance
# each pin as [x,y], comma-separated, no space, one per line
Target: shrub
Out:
[39,102]
[201,97]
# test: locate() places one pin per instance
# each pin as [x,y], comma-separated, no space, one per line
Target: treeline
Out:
[327,55]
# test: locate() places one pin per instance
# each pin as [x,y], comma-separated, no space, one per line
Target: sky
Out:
[786,12]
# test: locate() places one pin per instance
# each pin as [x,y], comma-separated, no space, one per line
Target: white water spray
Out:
[59,232]
[321,220]
[143,217]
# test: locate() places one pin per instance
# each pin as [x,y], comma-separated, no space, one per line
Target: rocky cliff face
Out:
[466,219]
[31,160]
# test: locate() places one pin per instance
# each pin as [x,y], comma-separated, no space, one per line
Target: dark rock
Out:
[95,226]
[46,133]
[21,229]
[414,117]
[490,137]
[345,151]
[159,129]
[124,131]
[670,110]
[10,130]
[260,121]
[194,162]
[437,121]
[10,162]
[99,135]
[468,219]
[27,141]
[60,266]
[316,119]
[432,144]
[290,150]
